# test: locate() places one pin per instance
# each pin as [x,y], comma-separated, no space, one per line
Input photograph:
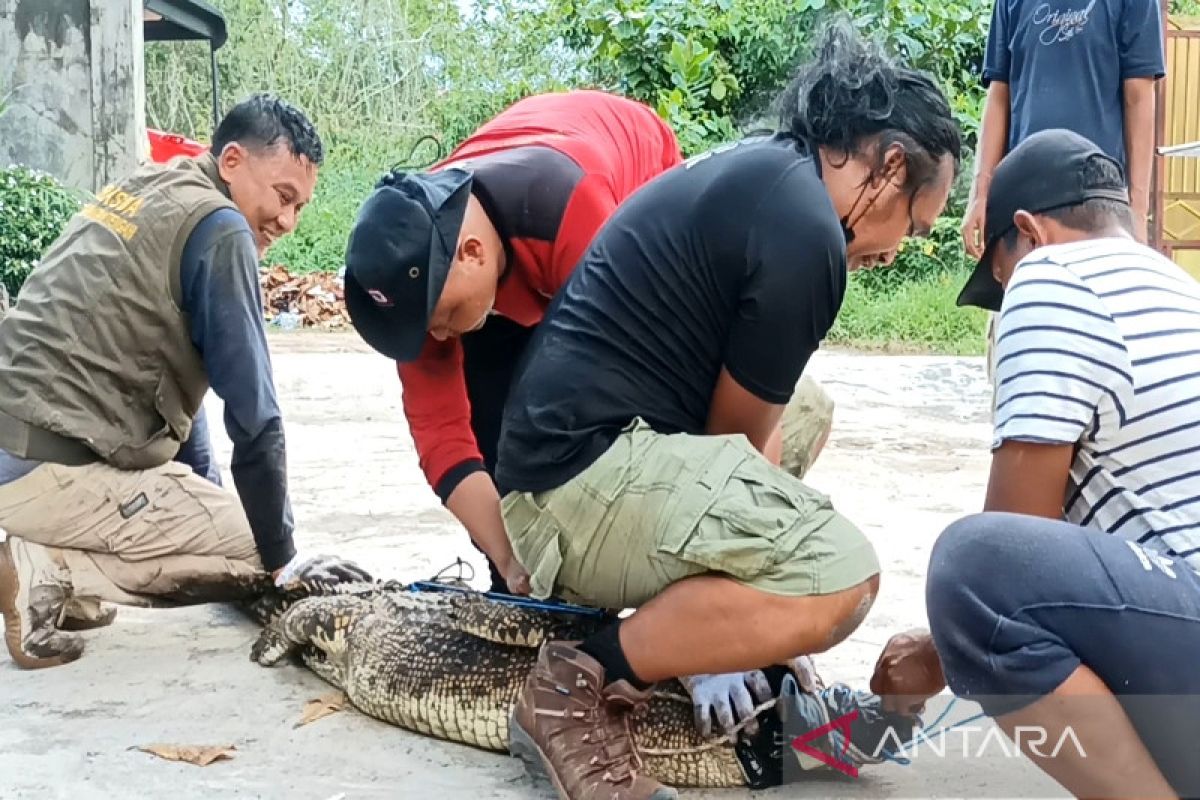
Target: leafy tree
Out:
[34,209]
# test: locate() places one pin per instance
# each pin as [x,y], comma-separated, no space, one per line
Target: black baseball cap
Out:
[399,254]
[1042,173]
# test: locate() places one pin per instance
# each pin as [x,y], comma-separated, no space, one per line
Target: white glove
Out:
[721,694]
[322,568]
[806,674]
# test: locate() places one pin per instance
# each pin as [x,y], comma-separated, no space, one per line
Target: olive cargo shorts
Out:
[656,508]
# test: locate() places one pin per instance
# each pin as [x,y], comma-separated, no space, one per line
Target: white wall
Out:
[72,82]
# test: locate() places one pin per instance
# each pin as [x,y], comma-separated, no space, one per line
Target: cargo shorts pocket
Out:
[535,535]
[745,517]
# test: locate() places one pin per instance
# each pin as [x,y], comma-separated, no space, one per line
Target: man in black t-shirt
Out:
[631,460]
[734,261]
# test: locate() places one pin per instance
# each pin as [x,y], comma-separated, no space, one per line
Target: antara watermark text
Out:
[980,743]
[962,741]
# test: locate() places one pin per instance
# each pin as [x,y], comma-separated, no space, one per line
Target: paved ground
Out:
[907,456]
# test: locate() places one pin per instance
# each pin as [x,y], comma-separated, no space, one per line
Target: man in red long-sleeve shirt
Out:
[490,234]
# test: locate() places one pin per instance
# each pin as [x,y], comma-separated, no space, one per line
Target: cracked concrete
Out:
[908,455]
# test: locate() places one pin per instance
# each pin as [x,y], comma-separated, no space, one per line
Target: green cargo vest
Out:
[96,361]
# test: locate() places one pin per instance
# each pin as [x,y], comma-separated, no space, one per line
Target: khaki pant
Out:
[163,536]
[658,508]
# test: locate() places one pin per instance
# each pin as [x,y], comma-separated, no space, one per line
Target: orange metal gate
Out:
[1177,180]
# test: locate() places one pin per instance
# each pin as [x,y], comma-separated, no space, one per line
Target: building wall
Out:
[71,88]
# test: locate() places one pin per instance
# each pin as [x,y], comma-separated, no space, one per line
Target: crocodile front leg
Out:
[320,622]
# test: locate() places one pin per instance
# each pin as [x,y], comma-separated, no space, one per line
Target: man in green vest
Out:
[149,298]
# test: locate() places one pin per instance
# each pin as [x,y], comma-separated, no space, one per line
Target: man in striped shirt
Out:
[1076,594]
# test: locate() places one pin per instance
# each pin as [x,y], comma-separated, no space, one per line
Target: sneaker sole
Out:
[521,745]
[8,607]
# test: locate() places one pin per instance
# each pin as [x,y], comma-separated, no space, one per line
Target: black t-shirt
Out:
[525,192]
[735,258]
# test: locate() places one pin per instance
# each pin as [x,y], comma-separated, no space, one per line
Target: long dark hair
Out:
[851,90]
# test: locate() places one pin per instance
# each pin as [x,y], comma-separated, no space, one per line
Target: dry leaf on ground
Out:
[321,707]
[200,755]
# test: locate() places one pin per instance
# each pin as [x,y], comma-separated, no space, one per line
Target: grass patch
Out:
[911,316]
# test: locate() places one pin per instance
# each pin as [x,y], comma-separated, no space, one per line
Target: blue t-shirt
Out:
[1065,62]
[221,296]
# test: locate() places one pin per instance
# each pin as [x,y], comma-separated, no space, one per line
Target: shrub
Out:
[921,259]
[911,304]
[34,209]
[913,316]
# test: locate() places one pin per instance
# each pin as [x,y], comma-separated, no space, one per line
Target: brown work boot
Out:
[569,725]
[31,607]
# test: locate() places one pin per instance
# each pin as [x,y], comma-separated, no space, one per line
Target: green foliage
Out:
[34,209]
[945,39]
[712,68]
[917,315]
[375,76]
[912,302]
[921,259]
[503,51]
[703,66]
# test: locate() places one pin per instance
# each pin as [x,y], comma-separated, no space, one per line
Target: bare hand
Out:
[517,577]
[908,672]
[973,227]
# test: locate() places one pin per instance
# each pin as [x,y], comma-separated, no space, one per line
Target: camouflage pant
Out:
[806,423]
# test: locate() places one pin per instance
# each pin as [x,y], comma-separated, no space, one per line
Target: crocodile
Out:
[449,662]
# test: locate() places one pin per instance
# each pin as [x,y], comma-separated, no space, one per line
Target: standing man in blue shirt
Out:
[1088,66]
[149,298]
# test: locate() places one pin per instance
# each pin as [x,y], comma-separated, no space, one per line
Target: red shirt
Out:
[614,145]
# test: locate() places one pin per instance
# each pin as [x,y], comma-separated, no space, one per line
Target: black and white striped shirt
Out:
[1098,344]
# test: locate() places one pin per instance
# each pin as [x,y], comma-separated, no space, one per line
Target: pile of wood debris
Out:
[307,300]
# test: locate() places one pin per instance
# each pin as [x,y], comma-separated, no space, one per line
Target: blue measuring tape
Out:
[554,606]
[904,760]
